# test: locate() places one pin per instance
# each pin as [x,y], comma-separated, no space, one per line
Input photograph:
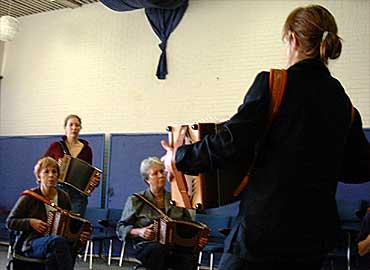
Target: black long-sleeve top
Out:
[288,208]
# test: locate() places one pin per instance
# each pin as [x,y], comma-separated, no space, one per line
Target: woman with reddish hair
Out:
[29,217]
[287,215]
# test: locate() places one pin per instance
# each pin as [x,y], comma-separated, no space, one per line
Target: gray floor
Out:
[98,263]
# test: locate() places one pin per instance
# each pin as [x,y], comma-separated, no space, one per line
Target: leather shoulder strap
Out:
[353,114]
[37,196]
[140,196]
[64,148]
[277,84]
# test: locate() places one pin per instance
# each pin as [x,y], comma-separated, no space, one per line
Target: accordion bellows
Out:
[62,222]
[78,174]
[180,233]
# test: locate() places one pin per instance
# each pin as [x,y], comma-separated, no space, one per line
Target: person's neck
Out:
[295,59]
[158,193]
[72,140]
[48,192]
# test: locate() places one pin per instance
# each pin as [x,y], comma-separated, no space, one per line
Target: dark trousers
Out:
[232,262]
[155,256]
[56,251]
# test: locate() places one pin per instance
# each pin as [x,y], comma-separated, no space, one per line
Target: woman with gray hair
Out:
[136,223]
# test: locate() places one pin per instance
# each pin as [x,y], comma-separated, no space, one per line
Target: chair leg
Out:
[110,251]
[332,264]
[122,253]
[349,252]
[211,261]
[91,254]
[86,250]
[9,252]
[199,260]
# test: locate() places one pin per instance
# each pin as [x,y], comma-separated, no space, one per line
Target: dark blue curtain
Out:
[163,15]
[163,22]
[127,5]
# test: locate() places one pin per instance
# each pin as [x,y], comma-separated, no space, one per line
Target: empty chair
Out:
[99,233]
[216,241]
[350,226]
[109,224]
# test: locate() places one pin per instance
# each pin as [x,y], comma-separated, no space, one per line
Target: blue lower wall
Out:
[18,155]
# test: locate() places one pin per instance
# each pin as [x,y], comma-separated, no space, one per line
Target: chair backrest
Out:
[4,234]
[94,215]
[349,214]
[114,215]
[347,209]
[214,223]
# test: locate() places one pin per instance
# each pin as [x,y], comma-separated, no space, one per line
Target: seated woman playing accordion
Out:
[30,215]
[139,223]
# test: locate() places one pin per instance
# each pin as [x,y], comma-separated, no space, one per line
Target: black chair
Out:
[350,218]
[4,232]
[17,261]
[129,252]
[109,225]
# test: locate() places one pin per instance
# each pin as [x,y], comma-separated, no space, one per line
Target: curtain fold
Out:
[163,16]
[163,22]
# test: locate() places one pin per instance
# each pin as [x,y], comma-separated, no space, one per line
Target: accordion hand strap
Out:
[179,176]
[152,205]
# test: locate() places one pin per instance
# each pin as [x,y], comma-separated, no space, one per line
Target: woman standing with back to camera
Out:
[287,215]
[72,145]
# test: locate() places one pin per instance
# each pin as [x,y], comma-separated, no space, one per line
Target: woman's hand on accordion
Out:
[85,233]
[95,180]
[146,233]
[203,241]
[39,225]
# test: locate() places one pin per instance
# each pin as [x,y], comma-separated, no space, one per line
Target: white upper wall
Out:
[101,65]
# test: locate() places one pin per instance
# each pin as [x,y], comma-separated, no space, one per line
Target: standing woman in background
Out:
[288,217]
[72,145]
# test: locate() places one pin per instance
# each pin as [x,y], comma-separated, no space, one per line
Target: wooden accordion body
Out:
[78,174]
[66,224]
[179,233]
[206,190]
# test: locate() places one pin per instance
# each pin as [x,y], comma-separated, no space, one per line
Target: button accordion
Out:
[179,233]
[78,174]
[64,223]
[214,188]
